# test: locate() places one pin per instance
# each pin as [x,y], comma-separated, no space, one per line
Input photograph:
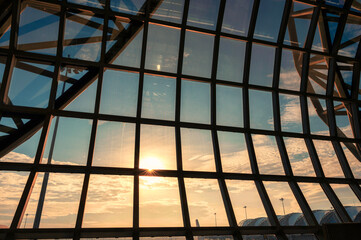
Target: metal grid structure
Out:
[321,68]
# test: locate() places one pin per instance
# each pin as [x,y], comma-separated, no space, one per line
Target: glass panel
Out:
[290,110]
[170,10]
[130,7]
[342,115]
[71,138]
[157,147]
[195,102]
[348,199]
[5,35]
[231,60]
[163,238]
[70,75]
[205,203]
[262,61]
[247,204]
[303,236]
[320,205]
[162,48]
[90,3]
[109,201]
[259,237]
[318,120]
[261,109]
[25,152]
[129,52]
[299,157]
[284,203]
[119,93]
[203,13]
[237,15]
[329,161]
[11,187]
[2,67]
[159,202]
[197,150]
[198,54]
[355,164]
[269,19]
[38,30]
[267,154]
[290,70]
[158,97]
[299,23]
[114,144]
[234,154]
[28,87]
[229,106]
[83,36]
[61,200]
[85,102]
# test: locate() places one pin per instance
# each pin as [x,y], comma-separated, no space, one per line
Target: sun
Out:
[151,163]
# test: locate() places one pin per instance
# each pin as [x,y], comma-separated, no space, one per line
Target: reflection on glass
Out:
[236,17]
[290,73]
[71,143]
[299,157]
[269,19]
[300,26]
[25,152]
[354,163]
[203,13]
[234,154]
[342,118]
[162,48]
[90,3]
[157,147]
[159,202]
[198,54]
[131,48]
[119,93]
[130,7]
[246,202]
[158,97]
[109,201]
[267,154]
[11,187]
[261,109]
[197,150]
[231,60]
[83,36]
[229,106]
[170,10]
[348,199]
[329,161]
[320,205]
[206,208]
[195,102]
[284,203]
[2,67]
[262,61]
[290,110]
[61,201]
[38,30]
[318,120]
[28,88]
[114,144]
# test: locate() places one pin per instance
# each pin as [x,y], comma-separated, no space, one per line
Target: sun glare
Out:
[151,163]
